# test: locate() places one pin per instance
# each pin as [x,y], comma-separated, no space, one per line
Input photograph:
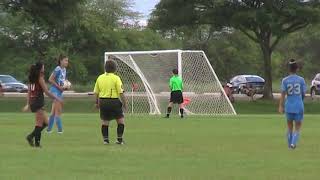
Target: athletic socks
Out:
[105,133]
[50,124]
[289,137]
[181,112]
[120,130]
[59,123]
[169,111]
[32,134]
[37,136]
[295,138]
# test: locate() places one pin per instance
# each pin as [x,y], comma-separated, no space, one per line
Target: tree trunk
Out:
[267,92]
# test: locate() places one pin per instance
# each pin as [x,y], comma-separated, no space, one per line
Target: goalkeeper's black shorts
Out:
[176,97]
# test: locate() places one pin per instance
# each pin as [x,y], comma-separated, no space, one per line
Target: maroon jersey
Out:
[36,97]
[35,90]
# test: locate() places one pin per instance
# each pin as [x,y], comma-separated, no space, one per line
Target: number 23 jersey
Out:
[295,88]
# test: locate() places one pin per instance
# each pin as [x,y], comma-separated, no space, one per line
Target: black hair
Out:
[175,71]
[110,66]
[60,58]
[34,72]
[293,66]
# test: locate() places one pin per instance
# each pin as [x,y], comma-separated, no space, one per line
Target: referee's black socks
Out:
[105,132]
[120,130]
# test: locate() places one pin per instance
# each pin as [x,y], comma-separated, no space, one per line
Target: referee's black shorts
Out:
[176,97]
[110,108]
[36,104]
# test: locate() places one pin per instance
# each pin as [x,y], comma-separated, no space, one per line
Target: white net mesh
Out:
[145,76]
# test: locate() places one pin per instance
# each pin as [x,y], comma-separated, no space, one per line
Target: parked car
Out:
[315,86]
[242,82]
[10,84]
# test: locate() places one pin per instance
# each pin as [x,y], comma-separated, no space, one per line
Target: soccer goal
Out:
[146,74]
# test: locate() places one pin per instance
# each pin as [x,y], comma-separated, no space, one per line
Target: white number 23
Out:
[294,89]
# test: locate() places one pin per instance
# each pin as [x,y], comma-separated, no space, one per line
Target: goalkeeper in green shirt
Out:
[176,86]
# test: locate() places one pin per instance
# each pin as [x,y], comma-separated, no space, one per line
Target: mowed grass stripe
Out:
[197,147]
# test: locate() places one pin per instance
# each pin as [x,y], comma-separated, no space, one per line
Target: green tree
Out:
[83,30]
[265,22]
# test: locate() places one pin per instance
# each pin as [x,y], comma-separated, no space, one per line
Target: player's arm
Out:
[26,107]
[52,80]
[1,93]
[46,91]
[282,96]
[281,108]
[124,101]
[28,95]
[97,101]
[181,84]
[303,89]
[170,84]
[96,91]
[121,93]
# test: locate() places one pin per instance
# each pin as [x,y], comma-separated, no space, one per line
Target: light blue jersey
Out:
[295,88]
[60,75]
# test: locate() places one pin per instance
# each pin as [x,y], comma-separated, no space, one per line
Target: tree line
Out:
[239,37]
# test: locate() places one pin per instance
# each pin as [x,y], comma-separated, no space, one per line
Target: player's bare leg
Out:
[296,134]
[290,131]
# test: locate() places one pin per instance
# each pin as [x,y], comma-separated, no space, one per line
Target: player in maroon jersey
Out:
[35,102]
[1,94]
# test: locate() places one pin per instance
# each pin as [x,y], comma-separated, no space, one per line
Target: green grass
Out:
[271,107]
[240,147]
[86,105]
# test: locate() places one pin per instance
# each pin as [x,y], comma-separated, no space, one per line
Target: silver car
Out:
[10,84]
[315,86]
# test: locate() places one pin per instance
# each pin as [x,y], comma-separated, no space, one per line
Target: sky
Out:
[144,7]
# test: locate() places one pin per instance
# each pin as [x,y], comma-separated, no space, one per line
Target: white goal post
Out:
[145,76]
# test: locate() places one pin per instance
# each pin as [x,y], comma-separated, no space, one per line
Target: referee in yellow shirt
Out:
[108,90]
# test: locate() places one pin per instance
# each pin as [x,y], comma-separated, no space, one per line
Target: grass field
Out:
[223,148]
[86,105]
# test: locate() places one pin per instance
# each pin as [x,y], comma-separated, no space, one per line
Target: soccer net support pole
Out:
[132,99]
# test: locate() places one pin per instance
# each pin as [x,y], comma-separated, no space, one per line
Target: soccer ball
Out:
[66,84]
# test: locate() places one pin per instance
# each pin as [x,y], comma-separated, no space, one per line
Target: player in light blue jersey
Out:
[293,89]
[57,79]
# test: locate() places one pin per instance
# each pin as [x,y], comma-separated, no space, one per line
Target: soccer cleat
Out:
[30,140]
[106,141]
[293,146]
[49,131]
[38,146]
[120,142]
[60,132]
[182,116]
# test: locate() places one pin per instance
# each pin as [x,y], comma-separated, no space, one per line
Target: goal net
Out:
[145,76]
